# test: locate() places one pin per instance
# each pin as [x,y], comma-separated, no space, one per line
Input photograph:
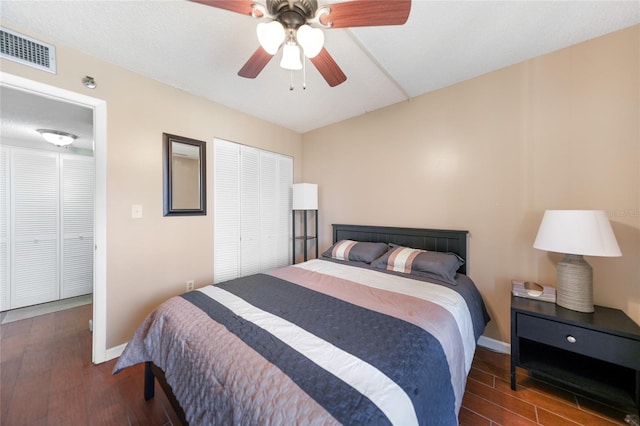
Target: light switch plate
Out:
[136,211]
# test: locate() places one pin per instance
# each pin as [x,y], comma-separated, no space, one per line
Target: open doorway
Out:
[96,108]
[46,199]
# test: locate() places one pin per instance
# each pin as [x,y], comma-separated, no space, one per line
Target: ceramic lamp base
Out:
[574,289]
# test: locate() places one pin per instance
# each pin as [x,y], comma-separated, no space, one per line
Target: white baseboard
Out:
[115,352]
[494,345]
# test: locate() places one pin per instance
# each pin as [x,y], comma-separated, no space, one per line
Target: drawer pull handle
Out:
[571,339]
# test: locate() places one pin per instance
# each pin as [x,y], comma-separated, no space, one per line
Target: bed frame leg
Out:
[149,382]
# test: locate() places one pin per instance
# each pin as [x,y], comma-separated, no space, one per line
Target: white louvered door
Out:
[5,294]
[34,240]
[252,222]
[46,226]
[250,211]
[76,175]
[283,233]
[226,211]
[269,211]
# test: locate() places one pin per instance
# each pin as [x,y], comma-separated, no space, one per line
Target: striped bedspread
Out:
[314,343]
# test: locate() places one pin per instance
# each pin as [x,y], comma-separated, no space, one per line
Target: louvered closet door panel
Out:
[77,175]
[268,210]
[35,243]
[226,252]
[283,235]
[250,211]
[35,273]
[5,300]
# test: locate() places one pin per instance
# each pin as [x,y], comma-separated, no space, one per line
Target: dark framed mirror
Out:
[185,181]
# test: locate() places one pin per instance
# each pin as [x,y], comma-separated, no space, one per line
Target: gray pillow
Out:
[356,251]
[414,261]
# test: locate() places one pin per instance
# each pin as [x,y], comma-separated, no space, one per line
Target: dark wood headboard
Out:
[440,240]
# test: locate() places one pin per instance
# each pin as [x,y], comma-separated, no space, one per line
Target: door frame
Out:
[99,107]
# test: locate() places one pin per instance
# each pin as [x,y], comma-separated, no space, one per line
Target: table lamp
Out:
[576,233]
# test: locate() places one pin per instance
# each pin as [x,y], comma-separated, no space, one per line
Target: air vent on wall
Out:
[26,50]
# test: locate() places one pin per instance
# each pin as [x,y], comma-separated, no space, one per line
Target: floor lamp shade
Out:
[576,233]
[305,196]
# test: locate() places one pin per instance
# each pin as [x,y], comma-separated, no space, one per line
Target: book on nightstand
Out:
[534,291]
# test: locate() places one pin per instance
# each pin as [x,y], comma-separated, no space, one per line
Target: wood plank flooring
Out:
[46,378]
[489,400]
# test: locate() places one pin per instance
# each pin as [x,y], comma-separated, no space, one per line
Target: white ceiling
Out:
[200,49]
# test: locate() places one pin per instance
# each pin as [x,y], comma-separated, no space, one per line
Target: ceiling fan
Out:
[295,24]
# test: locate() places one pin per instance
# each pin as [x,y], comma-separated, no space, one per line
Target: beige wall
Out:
[150,259]
[489,155]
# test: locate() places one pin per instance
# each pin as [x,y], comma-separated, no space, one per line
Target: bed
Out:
[380,330]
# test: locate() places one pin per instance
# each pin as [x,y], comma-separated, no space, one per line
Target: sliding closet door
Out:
[34,248]
[268,202]
[275,201]
[252,228]
[77,225]
[226,211]
[284,204]
[5,301]
[250,211]
[46,226]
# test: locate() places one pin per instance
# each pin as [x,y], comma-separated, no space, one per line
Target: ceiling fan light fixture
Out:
[311,40]
[270,35]
[57,137]
[291,57]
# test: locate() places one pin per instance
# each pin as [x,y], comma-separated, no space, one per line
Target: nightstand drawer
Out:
[584,341]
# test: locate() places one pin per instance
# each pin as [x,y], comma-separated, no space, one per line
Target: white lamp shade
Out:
[305,196]
[270,35]
[583,232]
[291,57]
[311,40]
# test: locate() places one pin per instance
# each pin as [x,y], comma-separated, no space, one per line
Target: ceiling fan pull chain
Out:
[291,80]
[304,73]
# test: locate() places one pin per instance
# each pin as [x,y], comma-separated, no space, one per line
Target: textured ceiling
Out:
[23,113]
[200,49]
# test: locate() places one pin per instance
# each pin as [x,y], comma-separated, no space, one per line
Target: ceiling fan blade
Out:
[328,68]
[255,64]
[367,13]
[244,7]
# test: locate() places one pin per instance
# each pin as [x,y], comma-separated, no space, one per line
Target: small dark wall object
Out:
[184,164]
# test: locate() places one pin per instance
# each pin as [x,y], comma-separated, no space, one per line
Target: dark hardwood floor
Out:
[489,400]
[47,379]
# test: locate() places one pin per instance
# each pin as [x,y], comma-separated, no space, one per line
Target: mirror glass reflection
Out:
[185,176]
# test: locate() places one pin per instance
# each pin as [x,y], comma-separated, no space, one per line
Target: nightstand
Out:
[595,354]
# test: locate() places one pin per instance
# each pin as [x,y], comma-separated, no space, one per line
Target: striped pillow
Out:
[356,251]
[401,259]
[407,260]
